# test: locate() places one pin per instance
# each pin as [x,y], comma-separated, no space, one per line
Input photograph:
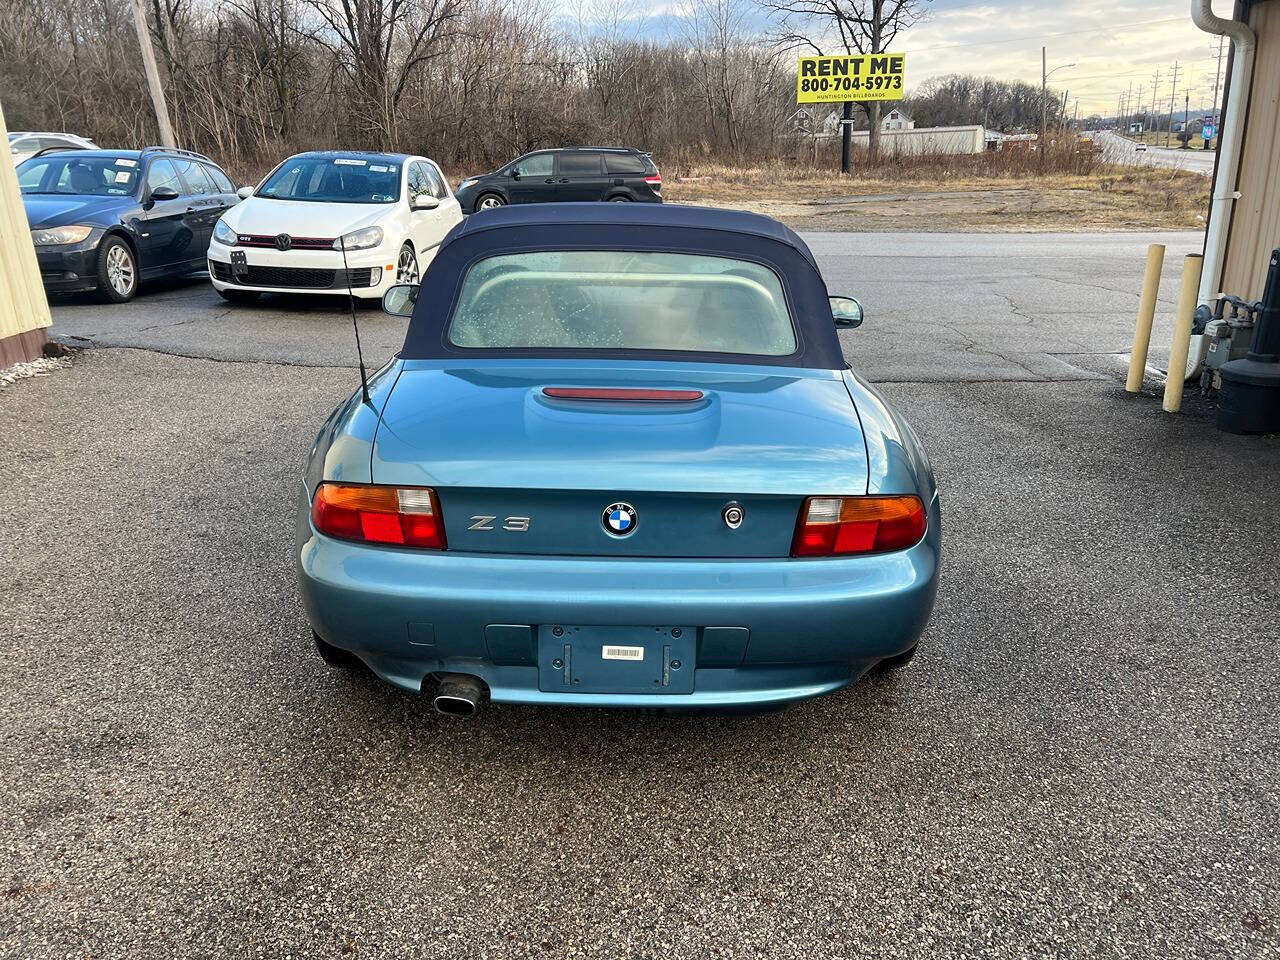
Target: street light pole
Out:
[1044,101]
[1044,110]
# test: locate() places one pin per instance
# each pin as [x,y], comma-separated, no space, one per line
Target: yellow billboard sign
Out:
[870,76]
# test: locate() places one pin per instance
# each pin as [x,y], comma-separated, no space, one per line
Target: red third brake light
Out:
[835,526]
[622,394]
[370,513]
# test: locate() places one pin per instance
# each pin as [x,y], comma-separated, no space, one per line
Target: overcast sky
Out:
[1112,45]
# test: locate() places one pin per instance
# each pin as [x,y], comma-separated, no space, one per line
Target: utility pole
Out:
[1172,94]
[1213,111]
[153,75]
[1155,100]
[1186,116]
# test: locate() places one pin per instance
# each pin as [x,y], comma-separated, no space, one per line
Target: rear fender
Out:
[896,459]
[344,446]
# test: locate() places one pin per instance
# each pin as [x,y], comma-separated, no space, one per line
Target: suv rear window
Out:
[606,300]
[625,163]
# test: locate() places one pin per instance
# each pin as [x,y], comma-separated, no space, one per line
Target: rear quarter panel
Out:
[343,449]
[896,459]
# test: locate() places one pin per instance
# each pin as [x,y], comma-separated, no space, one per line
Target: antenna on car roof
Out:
[351,302]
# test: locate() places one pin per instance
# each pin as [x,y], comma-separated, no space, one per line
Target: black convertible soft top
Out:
[627,227]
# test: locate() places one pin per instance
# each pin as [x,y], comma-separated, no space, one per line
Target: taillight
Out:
[370,513]
[654,181]
[834,526]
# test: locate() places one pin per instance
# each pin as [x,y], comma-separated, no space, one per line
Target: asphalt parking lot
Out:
[1081,761]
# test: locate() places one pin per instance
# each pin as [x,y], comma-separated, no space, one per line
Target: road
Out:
[1118,149]
[939,306]
[1079,763]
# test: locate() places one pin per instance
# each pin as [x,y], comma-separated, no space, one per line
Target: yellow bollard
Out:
[1182,332]
[1146,313]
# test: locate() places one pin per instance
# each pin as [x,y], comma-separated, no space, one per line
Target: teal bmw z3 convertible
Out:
[620,461]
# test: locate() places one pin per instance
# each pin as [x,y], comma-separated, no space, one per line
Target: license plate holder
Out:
[609,659]
[239,264]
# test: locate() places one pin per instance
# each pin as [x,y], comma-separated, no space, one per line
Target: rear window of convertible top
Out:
[620,300]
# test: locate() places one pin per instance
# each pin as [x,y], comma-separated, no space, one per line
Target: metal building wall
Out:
[1255,222]
[24,311]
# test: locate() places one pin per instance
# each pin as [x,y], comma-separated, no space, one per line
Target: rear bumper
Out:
[814,625]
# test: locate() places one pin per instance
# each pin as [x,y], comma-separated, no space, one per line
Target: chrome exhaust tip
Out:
[459,695]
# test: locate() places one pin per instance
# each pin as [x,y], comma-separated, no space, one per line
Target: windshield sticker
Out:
[351,163]
[125,162]
[381,198]
[122,176]
[378,168]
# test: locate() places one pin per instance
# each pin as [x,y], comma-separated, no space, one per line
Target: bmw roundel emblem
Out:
[620,519]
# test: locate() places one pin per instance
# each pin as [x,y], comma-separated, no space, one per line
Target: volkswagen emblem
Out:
[283,241]
[620,519]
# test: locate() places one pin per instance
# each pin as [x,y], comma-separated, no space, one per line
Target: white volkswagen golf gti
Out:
[320,221]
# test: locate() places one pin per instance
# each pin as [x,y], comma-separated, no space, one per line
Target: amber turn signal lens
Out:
[839,526]
[372,513]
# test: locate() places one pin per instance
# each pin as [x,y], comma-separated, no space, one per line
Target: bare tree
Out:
[471,83]
[847,27]
[379,45]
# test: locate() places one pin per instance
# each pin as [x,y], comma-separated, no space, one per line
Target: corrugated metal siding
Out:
[23,306]
[1255,225]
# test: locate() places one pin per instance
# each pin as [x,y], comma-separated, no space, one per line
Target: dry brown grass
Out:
[953,193]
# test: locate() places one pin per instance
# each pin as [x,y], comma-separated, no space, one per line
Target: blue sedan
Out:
[620,461]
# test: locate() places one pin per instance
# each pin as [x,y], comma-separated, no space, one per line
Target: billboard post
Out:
[857,78]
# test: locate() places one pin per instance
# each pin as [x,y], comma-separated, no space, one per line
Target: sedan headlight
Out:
[52,236]
[224,234]
[468,182]
[359,239]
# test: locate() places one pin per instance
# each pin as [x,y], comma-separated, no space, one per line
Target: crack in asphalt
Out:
[107,345]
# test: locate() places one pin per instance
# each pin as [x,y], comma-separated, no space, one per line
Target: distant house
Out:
[897,119]
[890,120]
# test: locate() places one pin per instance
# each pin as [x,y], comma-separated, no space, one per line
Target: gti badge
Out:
[620,519]
[283,241]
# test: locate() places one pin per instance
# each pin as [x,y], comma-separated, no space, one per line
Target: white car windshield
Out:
[606,300]
[327,179]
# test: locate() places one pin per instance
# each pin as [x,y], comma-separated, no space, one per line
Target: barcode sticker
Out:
[622,653]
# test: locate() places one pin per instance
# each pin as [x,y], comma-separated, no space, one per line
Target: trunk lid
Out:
[518,471]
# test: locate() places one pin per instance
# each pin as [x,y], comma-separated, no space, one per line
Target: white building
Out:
[891,120]
[896,119]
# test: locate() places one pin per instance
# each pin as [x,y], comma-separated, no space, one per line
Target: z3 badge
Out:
[510,524]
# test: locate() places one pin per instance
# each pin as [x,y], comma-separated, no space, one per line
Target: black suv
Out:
[573,173]
[105,220]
